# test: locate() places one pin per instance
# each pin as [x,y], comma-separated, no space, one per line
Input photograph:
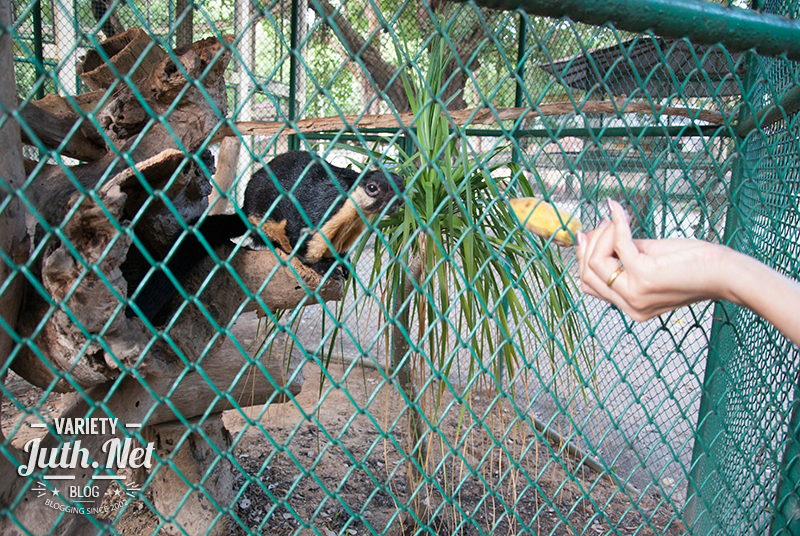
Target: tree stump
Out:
[194,511]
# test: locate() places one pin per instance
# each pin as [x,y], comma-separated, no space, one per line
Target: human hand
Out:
[658,275]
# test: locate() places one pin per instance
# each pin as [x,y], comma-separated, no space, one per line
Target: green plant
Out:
[457,222]
[462,268]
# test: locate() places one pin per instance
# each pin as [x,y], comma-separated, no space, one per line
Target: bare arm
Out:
[662,275]
[771,295]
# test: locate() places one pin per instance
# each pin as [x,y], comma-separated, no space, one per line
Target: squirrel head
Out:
[376,190]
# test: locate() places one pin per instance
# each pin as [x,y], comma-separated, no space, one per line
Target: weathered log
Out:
[190,121]
[80,139]
[123,117]
[196,461]
[56,104]
[53,118]
[88,301]
[91,298]
[124,50]
[12,222]
[80,336]
[124,194]
[225,175]
[133,402]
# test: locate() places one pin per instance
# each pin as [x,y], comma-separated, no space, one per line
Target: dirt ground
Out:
[331,459]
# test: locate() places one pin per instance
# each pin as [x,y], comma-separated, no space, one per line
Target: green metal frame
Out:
[701,21]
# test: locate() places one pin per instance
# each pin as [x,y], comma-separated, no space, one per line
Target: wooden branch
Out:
[85,143]
[123,117]
[463,118]
[124,50]
[56,104]
[226,173]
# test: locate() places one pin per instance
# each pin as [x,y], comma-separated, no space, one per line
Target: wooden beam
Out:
[461,118]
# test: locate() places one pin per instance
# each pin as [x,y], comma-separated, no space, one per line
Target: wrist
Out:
[738,275]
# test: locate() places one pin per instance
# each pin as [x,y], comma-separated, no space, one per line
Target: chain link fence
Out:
[439,374]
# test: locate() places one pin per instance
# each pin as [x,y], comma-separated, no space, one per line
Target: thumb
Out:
[624,247]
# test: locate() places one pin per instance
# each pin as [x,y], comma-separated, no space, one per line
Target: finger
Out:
[596,285]
[601,257]
[582,241]
[585,249]
[600,264]
[623,240]
[595,236]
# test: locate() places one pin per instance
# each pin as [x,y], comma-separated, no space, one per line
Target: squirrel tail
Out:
[158,291]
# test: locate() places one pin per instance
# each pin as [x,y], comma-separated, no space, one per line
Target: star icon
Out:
[55,491]
[117,491]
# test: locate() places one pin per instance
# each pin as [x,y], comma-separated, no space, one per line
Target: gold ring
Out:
[614,276]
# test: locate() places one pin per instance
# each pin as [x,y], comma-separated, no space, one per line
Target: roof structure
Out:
[654,67]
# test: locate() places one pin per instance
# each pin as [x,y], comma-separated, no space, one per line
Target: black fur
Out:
[304,183]
[158,290]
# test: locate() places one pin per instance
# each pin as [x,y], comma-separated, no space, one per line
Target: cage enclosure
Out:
[381,347]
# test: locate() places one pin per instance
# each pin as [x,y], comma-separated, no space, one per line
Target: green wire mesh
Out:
[597,425]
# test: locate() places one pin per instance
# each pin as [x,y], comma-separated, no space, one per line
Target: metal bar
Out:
[789,104]
[520,84]
[703,485]
[786,519]
[342,137]
[294,143]
[172,9]
[703,22]
[245,29]
[521,50]
[38,46]
[613,132]
[66,45]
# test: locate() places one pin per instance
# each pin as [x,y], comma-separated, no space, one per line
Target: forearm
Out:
[767,293]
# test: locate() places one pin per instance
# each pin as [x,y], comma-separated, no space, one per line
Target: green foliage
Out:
[330,87]
[484,286]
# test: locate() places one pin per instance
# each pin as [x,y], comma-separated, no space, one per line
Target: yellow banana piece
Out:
[542,219]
